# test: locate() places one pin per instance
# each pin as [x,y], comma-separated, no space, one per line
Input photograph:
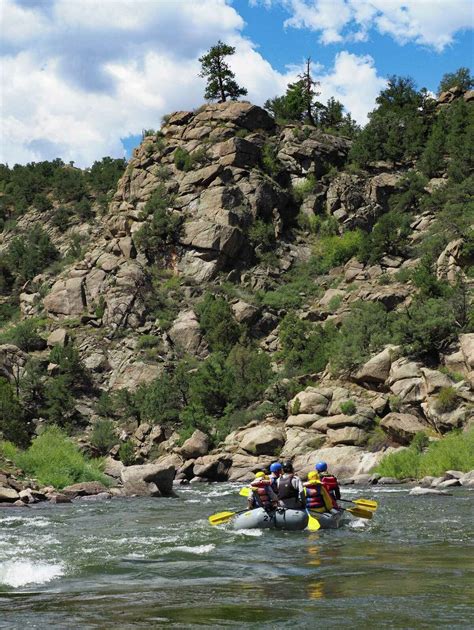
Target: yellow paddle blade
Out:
[367,504]
[313,523]
[244,492]
[360,512]
[220,517]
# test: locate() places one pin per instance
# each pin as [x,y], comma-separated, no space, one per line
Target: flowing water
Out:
[157,563]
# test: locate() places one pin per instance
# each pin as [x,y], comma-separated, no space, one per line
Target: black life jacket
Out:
[285,488]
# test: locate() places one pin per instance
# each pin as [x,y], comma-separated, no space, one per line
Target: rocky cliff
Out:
[223,201]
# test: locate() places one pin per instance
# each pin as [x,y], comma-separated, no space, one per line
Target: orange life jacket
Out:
[260,489]
[331,485]
[314,495]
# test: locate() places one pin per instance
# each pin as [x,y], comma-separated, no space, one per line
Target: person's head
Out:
[313,476]
[321,467]
[275,468]
[260,475]
[287,467]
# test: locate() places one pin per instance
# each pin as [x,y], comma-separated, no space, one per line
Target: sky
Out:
[80,79]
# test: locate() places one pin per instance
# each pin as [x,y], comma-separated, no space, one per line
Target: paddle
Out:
[223,517]
[313,523]
[359,512]
[364,503]
[244,492]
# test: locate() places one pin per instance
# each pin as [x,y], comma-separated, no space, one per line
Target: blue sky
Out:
[82,78]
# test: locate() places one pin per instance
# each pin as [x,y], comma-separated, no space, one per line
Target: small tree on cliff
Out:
[221,83]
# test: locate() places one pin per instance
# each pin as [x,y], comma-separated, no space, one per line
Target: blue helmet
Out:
[275,467]
[321,466]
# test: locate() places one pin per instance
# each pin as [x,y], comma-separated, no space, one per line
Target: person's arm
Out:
[273,497]
[337,490]
[298,485]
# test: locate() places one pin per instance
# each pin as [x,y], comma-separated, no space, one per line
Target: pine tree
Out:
[221,83]
[309,92]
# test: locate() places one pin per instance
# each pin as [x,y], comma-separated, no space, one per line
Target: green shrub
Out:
[454,376]
[127,453]
[217,323]
[62,218]
[332,251]
[270,162]
[334,303]
[55,460]
[31,253]
[363,332]
[453,452]
[103,436]
[447,399]
[13,424]
[182,159]
[24,335]
[395,403]
[348,407]
[302,189]
[164,229]
[304,346]
[250,372]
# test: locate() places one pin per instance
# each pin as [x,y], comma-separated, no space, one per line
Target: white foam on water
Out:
[200,549]
[24,521]
[358,523]
[18,573]
[249,532]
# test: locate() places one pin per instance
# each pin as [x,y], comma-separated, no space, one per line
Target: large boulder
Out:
[244,466]
[186,334]
[377,369]
[264,439]
[350,436]
[12,361]
[150,479]
[300,440]
[195,446]
[8,495]
[343,461]
[67,298]
[213,467]
[84,488]
[402,427]
[311,400]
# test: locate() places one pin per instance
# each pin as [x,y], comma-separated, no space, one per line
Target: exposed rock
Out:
[342,461]
[12,361]
[401,427]
[186,334]
[418,491]
[244,466]
[84,488]
[311,400]
[351,436]
[67,298]
[377,369]
[243,312]
[58,337]
[8,495]
[435,380]
[195,446]
[264,439]
[150,479]
[213,467]
[304,420]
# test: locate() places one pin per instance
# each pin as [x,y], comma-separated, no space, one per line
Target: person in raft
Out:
[316,496]
[275,474]
[329,482]
[261,494]
[290,489]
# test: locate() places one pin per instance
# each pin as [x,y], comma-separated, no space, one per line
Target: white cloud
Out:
[432,23]
[354,81]
[80,75]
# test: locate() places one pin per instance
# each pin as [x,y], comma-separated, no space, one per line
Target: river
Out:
[157,563]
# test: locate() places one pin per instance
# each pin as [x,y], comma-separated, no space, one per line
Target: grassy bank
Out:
[453,452]
[54,460]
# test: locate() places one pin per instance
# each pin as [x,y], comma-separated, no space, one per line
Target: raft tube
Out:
[329,521]
[281,518]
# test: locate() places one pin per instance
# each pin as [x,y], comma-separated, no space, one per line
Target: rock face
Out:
[402,427]
[150,479]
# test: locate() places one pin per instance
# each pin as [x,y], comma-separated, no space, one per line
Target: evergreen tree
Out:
[309,93]
[461,78]
[221,83]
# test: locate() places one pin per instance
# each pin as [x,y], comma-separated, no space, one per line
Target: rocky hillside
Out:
[252,293]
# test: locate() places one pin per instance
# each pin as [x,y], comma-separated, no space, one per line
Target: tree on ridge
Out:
[221,83]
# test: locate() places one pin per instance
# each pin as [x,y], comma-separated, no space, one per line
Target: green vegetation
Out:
[447,399]
[453,452]
[103,436]
[164,229]
[348,407]
[461,78]
[218,324]
[55,460]
[25,335]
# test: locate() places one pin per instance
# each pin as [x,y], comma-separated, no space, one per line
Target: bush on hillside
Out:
[13,425]
[29,254]
[217,323]
[453,452]
[103,436]
[55,460]
[25,335]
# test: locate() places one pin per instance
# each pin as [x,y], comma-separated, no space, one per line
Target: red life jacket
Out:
[331,485]
[260,490]
[314,495]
